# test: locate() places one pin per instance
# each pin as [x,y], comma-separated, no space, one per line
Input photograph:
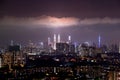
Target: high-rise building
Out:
[11,43]
[49,41]
[69,39]
[41,45]
[54,42]
[72,48]
[58,38]
[62,47]
[83,49]
[14,48]
[99,41]
[75,47]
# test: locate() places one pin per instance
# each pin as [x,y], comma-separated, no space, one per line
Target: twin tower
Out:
[57,39]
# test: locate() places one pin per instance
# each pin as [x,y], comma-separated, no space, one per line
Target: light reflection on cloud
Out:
[55,22]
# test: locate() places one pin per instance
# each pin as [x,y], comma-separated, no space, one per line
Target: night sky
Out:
[36,20]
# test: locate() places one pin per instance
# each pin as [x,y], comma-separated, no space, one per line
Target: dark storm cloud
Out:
[61,8]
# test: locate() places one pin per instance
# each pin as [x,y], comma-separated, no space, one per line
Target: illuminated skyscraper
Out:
[54,42]
[69,39]
[58,38]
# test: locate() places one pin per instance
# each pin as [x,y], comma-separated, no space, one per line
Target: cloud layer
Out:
[57,22]
[50,21]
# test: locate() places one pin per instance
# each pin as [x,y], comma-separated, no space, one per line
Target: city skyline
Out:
[84,20]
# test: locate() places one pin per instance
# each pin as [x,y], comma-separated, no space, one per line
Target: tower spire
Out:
[99,41]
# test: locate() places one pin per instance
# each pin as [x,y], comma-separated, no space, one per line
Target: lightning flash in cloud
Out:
[54,22]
